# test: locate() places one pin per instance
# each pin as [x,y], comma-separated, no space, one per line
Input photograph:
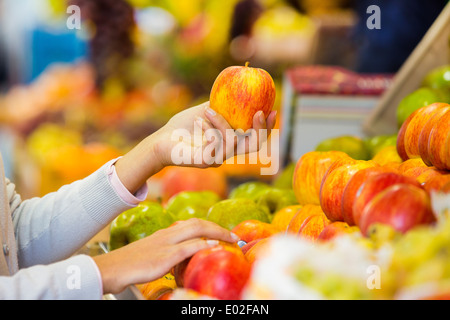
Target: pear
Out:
[354,146]
[192,204]
[249,190]
[138,223]
[274,199]
[229,213]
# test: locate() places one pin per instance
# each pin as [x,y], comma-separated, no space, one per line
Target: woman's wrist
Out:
[138,165]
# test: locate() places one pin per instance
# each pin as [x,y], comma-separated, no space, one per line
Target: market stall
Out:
[357,206]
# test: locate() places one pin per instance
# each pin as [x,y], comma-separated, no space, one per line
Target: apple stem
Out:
[247,64]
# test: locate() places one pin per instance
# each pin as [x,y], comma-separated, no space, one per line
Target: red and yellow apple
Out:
[409,133]
[313,226]
[333,186]
[439,143]
[374,185]
[309,172]
[433,179]
[239,92]
[156,289]
[424,137]
[283,217]
[299,218]
[413,168]
[336,229]
[256,250]
[250,230]
[401,206]
[218,272]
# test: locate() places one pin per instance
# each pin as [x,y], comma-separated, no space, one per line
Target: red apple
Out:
[333,186]
[402,206]
[180,269]
[218,272]
[352,188]
[439,143]
[375,185]
[335,229]
[240,92]
[424,138]
[309,173]
[250,230]
[408,137]
[299,218]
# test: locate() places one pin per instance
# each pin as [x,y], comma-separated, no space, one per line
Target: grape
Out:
[111,44]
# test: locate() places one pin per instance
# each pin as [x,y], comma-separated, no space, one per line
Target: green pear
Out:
[355,147]
[229,213]
[376,143]
[249,190]
[284,179]
[272,200]
[420,98]
[192,204]
[438,78]
[138,223]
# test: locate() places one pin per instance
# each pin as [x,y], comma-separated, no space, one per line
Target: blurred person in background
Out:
[403,25]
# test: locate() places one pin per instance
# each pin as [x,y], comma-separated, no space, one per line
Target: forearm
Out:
[142,162]
[74,279]
[54,227]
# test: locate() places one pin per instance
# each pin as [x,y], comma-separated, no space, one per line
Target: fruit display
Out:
[346,229]
[355,218]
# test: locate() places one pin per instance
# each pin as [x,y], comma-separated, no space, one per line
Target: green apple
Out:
[420,98]
[192,204]
[229,213]
[274,199]
[438,78]
[249,190]
[354,146]
[138,223]
[284,179]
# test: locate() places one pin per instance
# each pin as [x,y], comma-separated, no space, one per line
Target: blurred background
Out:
[72,99]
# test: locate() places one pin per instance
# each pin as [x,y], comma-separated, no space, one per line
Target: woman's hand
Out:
[207,139]
[204,137]
[151,258]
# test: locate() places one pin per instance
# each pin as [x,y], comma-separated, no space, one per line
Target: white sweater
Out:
[40,236]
